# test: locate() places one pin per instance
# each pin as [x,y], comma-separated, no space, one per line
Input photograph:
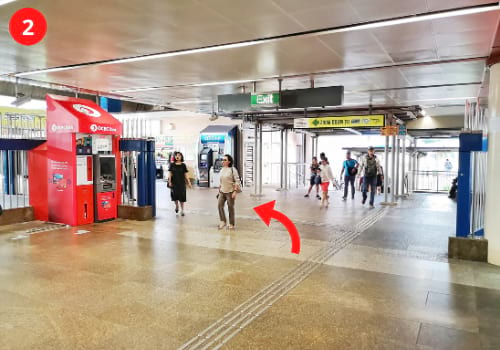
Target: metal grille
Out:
[14,179]
[129,177]
[475,119]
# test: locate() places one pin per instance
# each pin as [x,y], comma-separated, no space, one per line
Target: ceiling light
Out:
[228,82]
[320,32]
[21,100]
[5,2]
[353,131]
[192,102]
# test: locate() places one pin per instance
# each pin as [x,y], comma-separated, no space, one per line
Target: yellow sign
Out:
[11,117]
[345,121]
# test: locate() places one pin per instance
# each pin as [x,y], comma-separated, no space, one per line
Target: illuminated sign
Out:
[212,138]
[265,100]
[346,121]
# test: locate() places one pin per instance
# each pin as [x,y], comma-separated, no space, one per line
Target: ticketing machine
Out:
[220,140]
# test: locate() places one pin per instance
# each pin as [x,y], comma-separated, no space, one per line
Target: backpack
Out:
[371,166]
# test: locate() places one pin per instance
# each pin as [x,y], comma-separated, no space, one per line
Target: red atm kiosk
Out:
[83,162]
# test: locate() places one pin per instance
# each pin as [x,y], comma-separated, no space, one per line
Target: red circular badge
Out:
[28,26]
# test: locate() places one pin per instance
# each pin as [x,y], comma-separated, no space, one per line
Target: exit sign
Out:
[265,100]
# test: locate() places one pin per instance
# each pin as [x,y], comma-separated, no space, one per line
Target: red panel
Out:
[88,116]
[106,206]
[89,168]
[84,204]
[61,169]
[37,177]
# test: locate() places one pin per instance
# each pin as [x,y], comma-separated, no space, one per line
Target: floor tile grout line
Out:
[304,265]
[330,250]
[286,288]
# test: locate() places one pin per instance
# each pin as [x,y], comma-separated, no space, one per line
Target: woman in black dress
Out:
[177,180]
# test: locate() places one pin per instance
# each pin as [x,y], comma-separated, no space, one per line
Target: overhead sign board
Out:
[389,130]
[265,100]
[346,121]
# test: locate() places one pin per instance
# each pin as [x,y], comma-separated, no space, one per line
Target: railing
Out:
[14,179]
[433,180]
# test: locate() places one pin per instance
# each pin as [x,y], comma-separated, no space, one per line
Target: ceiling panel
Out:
[438,5]
[428,95]
[449,73]
[370,10]
[320,14]
[357,49]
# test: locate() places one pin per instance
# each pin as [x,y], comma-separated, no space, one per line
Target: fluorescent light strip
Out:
[349,28]
[5,2]
[417,18]
[215,83]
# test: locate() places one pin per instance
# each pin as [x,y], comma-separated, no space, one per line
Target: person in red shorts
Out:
[326,178]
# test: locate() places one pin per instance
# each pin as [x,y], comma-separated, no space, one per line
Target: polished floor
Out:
[365,279]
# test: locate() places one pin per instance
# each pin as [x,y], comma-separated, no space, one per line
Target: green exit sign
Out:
[265,100]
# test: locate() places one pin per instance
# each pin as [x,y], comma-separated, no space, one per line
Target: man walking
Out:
[349,170]
[370,167]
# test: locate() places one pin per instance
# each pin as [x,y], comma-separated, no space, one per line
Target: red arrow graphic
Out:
[266,212]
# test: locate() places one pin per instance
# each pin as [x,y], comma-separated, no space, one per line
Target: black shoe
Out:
[344,198]
[306,196]
[363,201]
[176,210]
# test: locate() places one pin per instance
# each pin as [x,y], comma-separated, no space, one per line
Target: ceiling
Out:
[437,63]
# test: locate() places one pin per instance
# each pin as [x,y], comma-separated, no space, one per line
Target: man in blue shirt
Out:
[349,170]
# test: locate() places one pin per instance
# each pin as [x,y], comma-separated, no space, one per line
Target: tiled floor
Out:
[158,284]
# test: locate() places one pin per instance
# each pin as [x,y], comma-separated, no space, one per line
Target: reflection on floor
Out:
[158,284]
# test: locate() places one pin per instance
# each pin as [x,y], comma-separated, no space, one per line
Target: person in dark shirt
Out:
[315,178]
[177,180]
[349,171]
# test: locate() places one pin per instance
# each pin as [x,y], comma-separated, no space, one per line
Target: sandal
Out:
[231,227]
[222,225]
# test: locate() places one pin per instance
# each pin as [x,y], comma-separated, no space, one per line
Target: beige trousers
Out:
[223,197]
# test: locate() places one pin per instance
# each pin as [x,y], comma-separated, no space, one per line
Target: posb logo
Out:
[91,112]
[95,128]
[56,127]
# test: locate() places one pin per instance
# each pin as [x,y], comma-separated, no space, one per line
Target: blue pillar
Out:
[463,194]
[141,176]
[151,175]
[469,142]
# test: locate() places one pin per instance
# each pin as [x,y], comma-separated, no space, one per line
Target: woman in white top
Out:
[229,187]
[326,177]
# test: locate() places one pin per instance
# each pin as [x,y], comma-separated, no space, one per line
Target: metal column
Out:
[260,158]
[386,168]
[285,164]
[398,155]
[393,167]
[255,160]
[282,173]
[403,164]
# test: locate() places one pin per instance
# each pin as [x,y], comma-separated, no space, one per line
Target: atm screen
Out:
[107,167]
[203,157]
